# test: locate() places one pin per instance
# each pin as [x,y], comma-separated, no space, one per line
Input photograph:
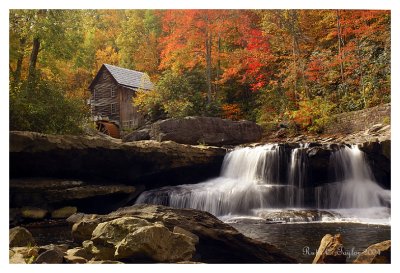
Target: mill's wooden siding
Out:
[101,97]
[126,115]
[130,116]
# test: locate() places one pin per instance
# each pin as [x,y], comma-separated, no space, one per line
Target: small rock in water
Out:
[20,236]
[33,213]
[64,212]
[376,254]
[330,251]
[285,216]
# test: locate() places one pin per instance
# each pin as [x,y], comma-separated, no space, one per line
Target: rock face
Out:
[318,162]
[217,241]
[20,236]
[207,130]
[379,157]
[56,193]
[330,251]
[376,254]
[142,162]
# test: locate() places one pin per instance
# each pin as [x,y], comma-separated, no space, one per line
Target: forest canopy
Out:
[270,66]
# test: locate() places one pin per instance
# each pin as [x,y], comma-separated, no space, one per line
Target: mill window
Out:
[113,108]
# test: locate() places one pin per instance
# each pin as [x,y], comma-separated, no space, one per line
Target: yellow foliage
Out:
[106,56]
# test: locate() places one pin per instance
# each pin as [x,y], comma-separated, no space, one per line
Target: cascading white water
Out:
[250,179]
[255,179]
[238,190]
[355,186]
[297,176]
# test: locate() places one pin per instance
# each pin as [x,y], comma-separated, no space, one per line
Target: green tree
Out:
[45,109]
[175,94]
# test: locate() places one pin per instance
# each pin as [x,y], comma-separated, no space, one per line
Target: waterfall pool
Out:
[301,240]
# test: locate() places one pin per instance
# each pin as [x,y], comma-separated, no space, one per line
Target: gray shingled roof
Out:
[130,78]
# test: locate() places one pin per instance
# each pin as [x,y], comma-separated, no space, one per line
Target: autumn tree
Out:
[264,65]
[138,41]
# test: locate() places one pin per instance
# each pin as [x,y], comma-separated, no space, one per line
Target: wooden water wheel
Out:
[108,128]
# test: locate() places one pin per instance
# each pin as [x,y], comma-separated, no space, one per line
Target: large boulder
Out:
[330,251]
[206,130]
[376,254]
[82,230]
[136,239]
[217,242]
[140,134]
[147,162]
[20,236]
[52,256]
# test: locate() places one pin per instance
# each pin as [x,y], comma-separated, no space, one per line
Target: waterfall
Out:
[355,186]
[274,177]
[297,176]
[248,180]
[251,178]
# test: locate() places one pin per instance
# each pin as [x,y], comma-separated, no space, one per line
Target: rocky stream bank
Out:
[87,179]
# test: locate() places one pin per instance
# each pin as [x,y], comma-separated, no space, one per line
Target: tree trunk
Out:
[18,69]
[218,63]
[360,63]
[208,63]
[33,59]
[340,42]
[295,50]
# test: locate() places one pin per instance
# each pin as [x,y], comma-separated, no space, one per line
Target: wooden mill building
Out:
[111,98]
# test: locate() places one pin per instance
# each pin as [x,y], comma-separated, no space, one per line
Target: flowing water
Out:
[252,182]
[266,194]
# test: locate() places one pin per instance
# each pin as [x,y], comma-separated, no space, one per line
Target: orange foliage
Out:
[231,111]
